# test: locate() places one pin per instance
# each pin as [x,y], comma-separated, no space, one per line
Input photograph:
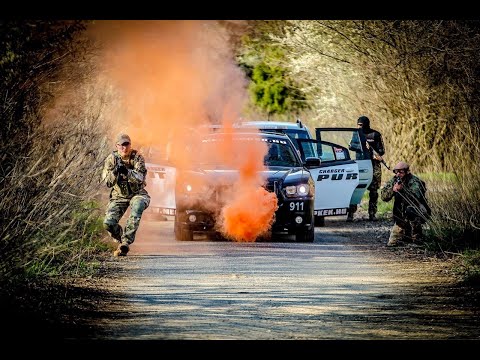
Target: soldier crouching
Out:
[410,208]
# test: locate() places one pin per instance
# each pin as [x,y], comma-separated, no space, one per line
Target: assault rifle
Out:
[377,154]
[120,168]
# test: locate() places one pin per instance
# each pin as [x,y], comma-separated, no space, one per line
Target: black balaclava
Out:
[366,123]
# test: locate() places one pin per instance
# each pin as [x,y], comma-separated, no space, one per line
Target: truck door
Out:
[336,178]
[354,140]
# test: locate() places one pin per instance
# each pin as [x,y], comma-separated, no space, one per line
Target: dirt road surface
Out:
[345,286]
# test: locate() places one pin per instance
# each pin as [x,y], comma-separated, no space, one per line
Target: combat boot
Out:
[351,210]
[349,217]
[417,231]
[392,242]
[396,236]
[122,250]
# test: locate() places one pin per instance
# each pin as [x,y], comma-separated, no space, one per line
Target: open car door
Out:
[345,171]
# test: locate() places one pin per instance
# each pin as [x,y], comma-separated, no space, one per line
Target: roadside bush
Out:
[54,147]
[468,267]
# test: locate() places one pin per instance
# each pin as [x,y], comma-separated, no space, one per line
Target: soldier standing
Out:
[377,150]
[125,173]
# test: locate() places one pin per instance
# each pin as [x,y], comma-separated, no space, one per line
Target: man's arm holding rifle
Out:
[377,156]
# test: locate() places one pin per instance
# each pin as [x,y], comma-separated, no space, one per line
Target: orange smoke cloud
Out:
[173,77]
[251,209]
[250,215]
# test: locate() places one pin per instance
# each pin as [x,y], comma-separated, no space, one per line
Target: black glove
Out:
[122,169]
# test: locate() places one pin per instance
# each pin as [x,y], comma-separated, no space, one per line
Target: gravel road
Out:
[345,286]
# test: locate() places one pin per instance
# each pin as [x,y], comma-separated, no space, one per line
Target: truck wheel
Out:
[305,236]
[182,234]
[320,221]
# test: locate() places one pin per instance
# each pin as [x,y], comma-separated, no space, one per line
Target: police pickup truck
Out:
[341,179]
[203,191]
[346,168]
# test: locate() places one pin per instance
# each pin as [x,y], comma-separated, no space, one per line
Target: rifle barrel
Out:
[384,163]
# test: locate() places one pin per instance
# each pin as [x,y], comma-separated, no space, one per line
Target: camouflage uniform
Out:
[126,191]
[410,208]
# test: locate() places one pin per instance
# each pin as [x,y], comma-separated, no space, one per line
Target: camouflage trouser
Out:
[373,188]
[406,231]
[115,210]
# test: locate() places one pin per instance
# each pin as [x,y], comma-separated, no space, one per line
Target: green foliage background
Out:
[417,81]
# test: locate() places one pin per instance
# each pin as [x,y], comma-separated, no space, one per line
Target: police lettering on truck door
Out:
[334,186]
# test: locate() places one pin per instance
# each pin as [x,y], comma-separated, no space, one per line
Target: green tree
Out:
[272,91]
[269,91]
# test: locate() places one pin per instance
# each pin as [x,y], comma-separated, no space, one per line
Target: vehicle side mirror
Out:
[311,162]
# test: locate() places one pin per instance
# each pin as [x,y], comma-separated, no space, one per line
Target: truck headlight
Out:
[297,190]
[302,189]
[191,189]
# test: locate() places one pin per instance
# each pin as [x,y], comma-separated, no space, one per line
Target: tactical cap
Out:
[122,138]
[401,166]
